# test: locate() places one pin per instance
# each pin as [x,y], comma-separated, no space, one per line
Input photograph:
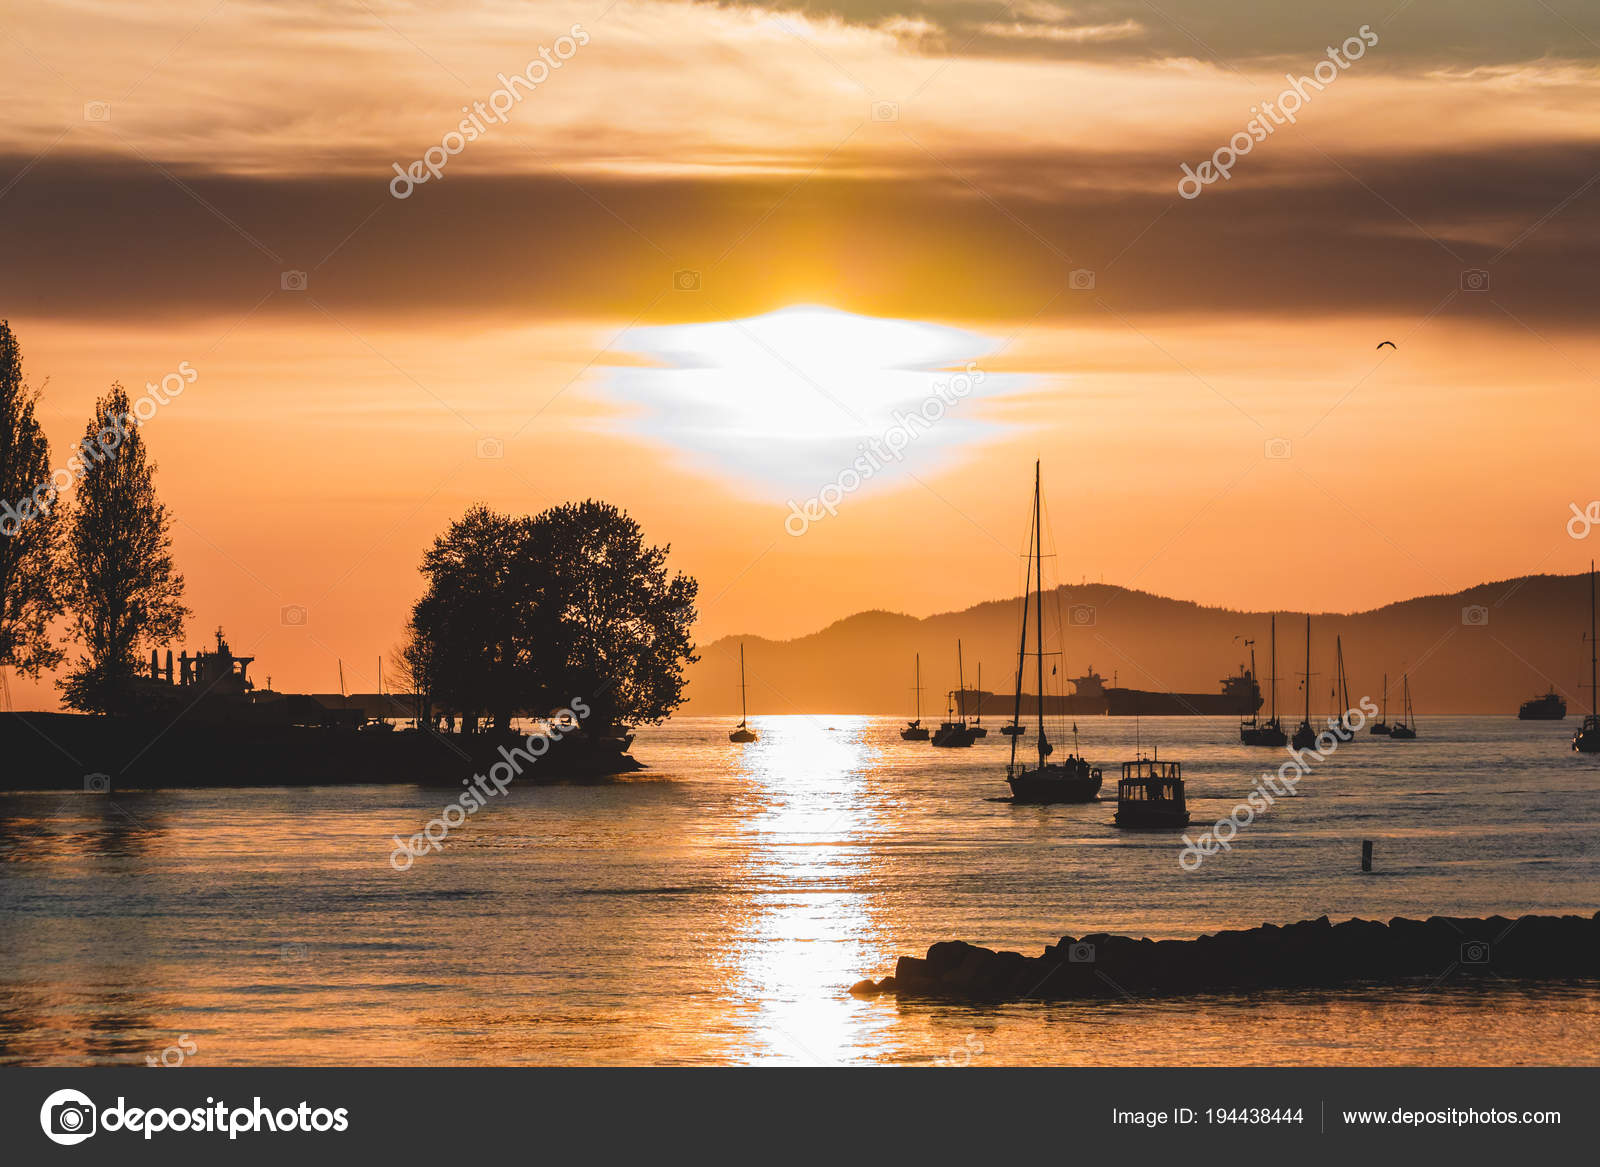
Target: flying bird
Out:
[1390,343]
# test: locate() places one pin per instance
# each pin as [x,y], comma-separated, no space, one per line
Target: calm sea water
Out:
[715,908]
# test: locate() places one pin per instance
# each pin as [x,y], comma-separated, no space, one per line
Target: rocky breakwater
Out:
[1308,954]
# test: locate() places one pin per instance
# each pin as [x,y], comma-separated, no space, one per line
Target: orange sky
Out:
[162,166]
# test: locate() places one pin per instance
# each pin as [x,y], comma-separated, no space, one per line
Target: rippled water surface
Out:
[714,908]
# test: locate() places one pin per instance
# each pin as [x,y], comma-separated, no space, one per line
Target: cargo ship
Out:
[1238,696]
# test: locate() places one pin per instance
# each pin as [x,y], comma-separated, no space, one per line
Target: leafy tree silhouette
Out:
[118,581]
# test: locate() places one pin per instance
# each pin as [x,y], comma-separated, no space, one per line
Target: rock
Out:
[871,988]
[1304,954]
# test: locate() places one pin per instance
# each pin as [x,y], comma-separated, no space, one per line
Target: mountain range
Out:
[1483,650]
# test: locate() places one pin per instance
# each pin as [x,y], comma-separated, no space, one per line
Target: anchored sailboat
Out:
[1269,732]
[1405,730]
[954,730]
[1381,726]
[743,733]
[1342,690]
[977,727]
[1306,735]
[1070,780]
[915,731]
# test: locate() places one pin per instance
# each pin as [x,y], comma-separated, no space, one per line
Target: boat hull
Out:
[953,737]
[1133,816]
[742,735]
[1055,784]
[1263,735]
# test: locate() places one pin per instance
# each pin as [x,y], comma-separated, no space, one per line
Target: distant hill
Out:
[1480,651]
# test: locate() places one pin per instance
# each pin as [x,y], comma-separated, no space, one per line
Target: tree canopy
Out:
[526,614]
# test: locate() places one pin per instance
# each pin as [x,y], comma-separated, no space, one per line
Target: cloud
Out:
[1289,236]
[1233,33]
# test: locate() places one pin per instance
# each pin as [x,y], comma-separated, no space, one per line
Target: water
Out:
[715,908]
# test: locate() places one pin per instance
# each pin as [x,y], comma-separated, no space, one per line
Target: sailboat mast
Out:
[1038,601]
[1022,657]
[1308,670]
[1594,693]
[1274,668]
[918,687]
[744,714]
[961,683]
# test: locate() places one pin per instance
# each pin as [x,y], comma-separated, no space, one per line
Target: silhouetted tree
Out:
[29,533]
[120,586]
[615,626]
[524,615]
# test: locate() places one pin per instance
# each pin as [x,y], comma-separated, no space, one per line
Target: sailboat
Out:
[1305,736]
[1341,689]
[1070,780]
[1269,732]
[743,733]
[977,727]
[954,730]
[1381,726]
[915,731]
[1587,739]
[1405,730]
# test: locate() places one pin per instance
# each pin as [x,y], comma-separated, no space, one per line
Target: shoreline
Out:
[47,752]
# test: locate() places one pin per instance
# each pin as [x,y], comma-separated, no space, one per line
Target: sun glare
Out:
[787,399]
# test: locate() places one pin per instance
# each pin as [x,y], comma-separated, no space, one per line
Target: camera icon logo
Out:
[1474,279]
[1081,953]
[295,952]
[292,616]
[885,111]
[1081,280]
[1475,616]
[491,449]
[97,783]
[1278,449]
[686,280]
[1081,615]
[1475,952]
[97,111]
[68,1117]
[293,281]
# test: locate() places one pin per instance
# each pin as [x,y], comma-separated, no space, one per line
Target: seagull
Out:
[1390,343]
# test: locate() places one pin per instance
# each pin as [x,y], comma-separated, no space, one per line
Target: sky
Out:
[807,287]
